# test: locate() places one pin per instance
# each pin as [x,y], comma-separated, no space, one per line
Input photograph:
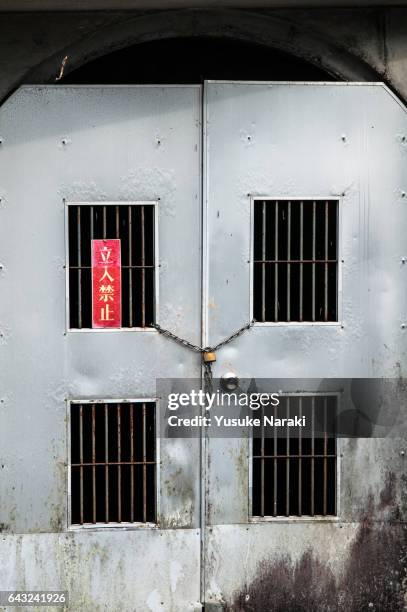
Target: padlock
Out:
[209,356]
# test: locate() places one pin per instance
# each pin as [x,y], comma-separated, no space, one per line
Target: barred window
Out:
[113,462]
[295,267]
[133,224]
[294,474]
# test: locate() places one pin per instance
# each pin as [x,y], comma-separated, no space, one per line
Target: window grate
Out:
[134,225]
[113,463]
[294,475]
[295,267]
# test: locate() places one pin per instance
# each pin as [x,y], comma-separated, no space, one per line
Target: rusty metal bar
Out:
[276,264]
[79,252]
[302,456]
[300,261]
[312,454]
[133,267]
[119,468]
[288,260]
[143,462]
[130,233]
[106,464]
[262,484]
[299,460]
[301,257]
[275,474]
[131,462]
[104,222]
[81,463]
[325,457]
[117,218]
[326,265]
[263,267]
[144,465]
[143,272]
[93,464]
[313,257]
[287,465]
[92,230]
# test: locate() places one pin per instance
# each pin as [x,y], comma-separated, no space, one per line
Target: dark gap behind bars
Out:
[134,225]
[295,475]
[113,463]
[295,268]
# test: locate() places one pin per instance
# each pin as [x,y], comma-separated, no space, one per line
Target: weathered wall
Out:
[355,44]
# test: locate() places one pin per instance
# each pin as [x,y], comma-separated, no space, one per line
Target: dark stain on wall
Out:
[374,576]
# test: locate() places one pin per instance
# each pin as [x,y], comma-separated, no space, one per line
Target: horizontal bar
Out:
[129,267]
[113,463]
[287,456]
[100,204]
[140,400]
[277,261]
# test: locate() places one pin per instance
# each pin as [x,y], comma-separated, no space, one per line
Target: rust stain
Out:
[374,576]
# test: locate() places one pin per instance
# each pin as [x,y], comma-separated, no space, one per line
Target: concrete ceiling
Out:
[89,5]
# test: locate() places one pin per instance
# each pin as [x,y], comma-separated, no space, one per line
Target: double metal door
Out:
[202,157]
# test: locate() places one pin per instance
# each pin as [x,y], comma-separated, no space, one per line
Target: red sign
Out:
[106,284]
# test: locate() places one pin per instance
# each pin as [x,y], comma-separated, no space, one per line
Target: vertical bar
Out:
[312,453]
[130,223]
[301,257]
[263,265]
[325,456]
[131,463]
[275,473]
[119,468]
[144,466]
[336,264]
[287,491]
[313,257]
[143,271]
[288,264]
[81,462]
[117,223]
[262,464]
[93,464]
[326,265]
[276,263]
[78,223]
[300,460]
[104,222]
[334,417]
[91,223]
[117,218]
[106,464]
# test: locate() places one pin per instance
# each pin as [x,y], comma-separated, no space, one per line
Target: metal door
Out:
[63,146]
[293,141]
[107,145]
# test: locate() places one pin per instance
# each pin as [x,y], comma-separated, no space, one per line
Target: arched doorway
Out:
[191,60]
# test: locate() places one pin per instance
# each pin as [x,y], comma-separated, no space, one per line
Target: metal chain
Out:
[208,377]
[168,334]
[195,347]
[238,333]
